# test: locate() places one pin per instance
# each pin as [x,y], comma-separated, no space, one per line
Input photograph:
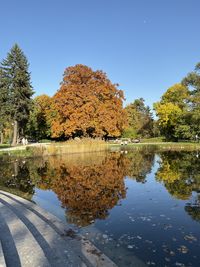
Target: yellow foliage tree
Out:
[171,107]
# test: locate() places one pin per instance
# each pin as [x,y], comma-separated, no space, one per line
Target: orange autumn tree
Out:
[88,104]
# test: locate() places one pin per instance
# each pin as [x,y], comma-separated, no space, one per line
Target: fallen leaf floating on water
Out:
[190,238]
[172,253]
[167,250]
[179,264]
[183,249]
[151,263]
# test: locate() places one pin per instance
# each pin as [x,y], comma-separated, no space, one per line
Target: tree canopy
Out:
[192,81]
[171,110]
[88,104]
[140,120]
[39,124]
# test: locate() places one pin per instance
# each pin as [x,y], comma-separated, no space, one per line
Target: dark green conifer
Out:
[17,84]
[3,104]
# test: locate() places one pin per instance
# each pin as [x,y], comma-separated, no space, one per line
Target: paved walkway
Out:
[32,237]
[21,147]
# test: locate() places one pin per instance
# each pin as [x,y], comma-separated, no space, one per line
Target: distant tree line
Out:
[88,104]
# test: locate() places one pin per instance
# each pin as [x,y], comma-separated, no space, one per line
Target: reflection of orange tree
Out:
[179,171]
[88,191]
[43,174]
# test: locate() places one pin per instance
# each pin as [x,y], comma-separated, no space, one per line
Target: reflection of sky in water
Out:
[149,227]
[154,226]
[49,201]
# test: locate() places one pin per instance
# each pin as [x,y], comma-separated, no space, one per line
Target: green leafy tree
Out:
[180,173]
[171,110]
[140,120]
[192,80]
[39,124]
[18,88]
[178,95]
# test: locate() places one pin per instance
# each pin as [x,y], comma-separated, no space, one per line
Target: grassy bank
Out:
[170,146]
[70,147]
[4,146]
[91,145]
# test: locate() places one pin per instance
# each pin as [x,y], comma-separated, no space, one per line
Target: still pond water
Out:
[141,208]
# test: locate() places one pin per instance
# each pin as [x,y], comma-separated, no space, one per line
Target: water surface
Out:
[142,208]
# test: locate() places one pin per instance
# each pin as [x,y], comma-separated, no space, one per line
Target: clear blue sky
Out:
[144,45]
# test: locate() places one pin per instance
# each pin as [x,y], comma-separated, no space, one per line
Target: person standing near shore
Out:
[23,141]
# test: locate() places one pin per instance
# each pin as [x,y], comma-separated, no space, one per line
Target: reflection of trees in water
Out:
[92,185]
[88,191]
[15,177]
[141,163]
[88,185]
[180,173]
[193,209]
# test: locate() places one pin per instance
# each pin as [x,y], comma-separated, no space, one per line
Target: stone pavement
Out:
[32,237]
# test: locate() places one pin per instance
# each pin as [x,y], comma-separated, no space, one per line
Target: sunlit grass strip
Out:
[4,146]
[15,153]
[169,146]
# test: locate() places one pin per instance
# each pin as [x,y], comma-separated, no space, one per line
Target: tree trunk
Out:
[17,137]
[15,133]
[1,133]
[16,168]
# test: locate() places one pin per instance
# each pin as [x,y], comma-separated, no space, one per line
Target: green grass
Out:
[15,154]
[152,140]
[170,146]
[4,146]
[45,141]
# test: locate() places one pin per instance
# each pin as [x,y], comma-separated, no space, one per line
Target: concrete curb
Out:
[80,251]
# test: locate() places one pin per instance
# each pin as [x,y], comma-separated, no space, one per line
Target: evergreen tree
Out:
[3,106]
[18,88]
